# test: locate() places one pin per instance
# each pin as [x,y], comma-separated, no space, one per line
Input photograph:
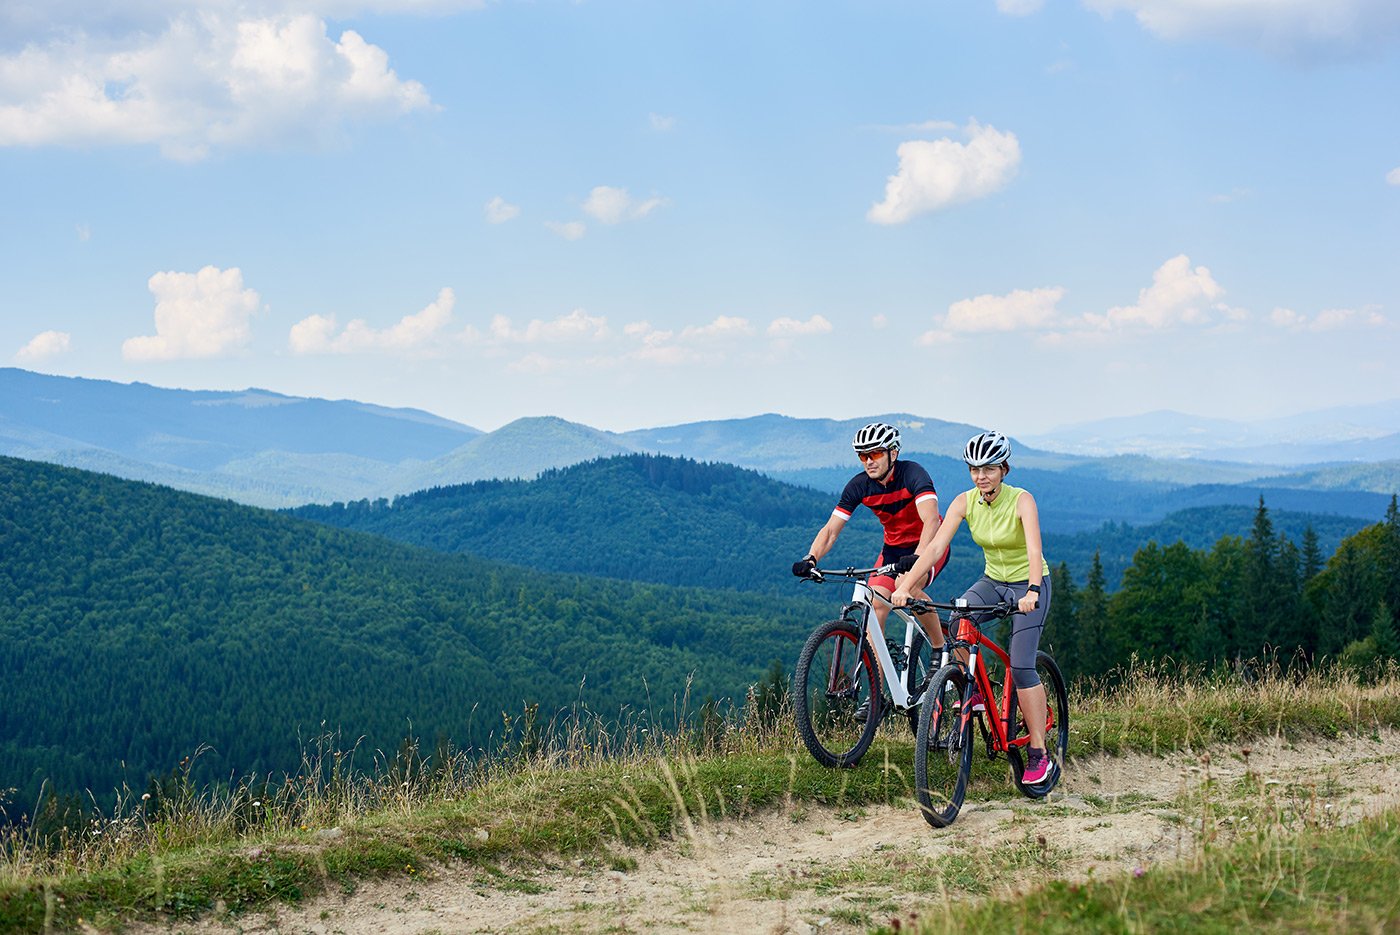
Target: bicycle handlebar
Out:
[916,606]
[961,607]
[819,575]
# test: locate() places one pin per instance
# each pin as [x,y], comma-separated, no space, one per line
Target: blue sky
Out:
[1018,213]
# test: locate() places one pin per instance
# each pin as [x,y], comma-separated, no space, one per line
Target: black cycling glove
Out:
[904,563]
[803,569]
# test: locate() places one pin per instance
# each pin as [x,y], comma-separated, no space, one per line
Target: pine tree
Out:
[1389,557]
[1095,656]
[1263,615]
[1312,554]
[1383,633]
[1061,636]
[1350,590]
[1291,624]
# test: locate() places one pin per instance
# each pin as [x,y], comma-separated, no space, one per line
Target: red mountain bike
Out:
[943,751]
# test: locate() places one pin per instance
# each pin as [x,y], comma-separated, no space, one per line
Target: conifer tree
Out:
[1094,656]
[1383,633]
[1350,590]
[1289,631]
[1263,613]
[1061,634]
[1389,557]
[1312,554]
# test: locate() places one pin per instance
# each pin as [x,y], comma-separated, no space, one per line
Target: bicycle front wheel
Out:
[1056,728]
[943,751]
[836,700]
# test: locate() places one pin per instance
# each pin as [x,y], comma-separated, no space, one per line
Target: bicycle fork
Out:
[838,679]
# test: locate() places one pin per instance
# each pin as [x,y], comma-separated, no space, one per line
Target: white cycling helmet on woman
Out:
[987,448]
[875,437]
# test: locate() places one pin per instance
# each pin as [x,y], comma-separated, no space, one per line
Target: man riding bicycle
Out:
[902,495]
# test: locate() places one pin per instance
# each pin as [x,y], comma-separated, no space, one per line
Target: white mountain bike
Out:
[842,690]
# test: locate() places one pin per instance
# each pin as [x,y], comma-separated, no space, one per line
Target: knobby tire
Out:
[943,750]
[826,698]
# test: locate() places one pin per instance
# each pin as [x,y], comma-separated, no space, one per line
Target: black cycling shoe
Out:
[863,711]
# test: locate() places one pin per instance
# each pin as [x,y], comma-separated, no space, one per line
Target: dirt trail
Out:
[817,870]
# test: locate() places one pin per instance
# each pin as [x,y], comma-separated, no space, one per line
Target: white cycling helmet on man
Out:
[875,437]
[987,448]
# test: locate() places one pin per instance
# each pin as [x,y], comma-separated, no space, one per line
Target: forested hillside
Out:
[643,517]
[138,623]
[1207,584]
[1241,600]
[676,521]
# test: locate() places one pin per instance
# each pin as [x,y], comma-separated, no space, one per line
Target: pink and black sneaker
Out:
[1039,767]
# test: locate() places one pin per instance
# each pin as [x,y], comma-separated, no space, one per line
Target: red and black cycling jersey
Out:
[894,503]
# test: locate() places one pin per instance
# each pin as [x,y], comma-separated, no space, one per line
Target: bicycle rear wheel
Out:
[943,751]
[836,700]
[1056,728]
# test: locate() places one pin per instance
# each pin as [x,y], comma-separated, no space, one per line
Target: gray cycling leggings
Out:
[1025,628]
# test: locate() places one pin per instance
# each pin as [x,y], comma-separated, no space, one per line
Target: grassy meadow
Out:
[1264,859]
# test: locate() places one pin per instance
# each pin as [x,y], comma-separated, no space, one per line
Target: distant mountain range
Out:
[1326,436]
[267,449]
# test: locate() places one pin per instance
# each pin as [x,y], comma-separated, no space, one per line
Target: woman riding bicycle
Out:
[1004,521]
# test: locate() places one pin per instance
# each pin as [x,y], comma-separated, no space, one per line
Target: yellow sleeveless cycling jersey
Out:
[998,530]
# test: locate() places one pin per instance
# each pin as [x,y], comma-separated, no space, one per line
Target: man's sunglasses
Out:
[871,455]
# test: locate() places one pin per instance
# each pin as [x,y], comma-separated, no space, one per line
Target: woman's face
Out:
[988,478]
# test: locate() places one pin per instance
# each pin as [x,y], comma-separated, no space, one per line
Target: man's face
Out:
[876,463]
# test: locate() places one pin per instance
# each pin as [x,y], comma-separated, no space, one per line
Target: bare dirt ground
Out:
[806,869]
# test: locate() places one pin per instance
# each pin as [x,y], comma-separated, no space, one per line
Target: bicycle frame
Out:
[999,727]
[863,601]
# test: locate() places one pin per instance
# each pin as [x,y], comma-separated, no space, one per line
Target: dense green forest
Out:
[1244,598]
[138,623]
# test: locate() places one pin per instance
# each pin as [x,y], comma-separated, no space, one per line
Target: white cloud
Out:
[208,79]
[203,314]
[1332,319]
[613,205]
[1019,309]
[1393,176]
[934,174]
[660,123]
[45,345]
[420,331]
[569,230]
[879,321]
[84,232]
[578,325]
[1280,26]
[1178,295]
[725,326]
[791,327]
[1019,7]
[498,210]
